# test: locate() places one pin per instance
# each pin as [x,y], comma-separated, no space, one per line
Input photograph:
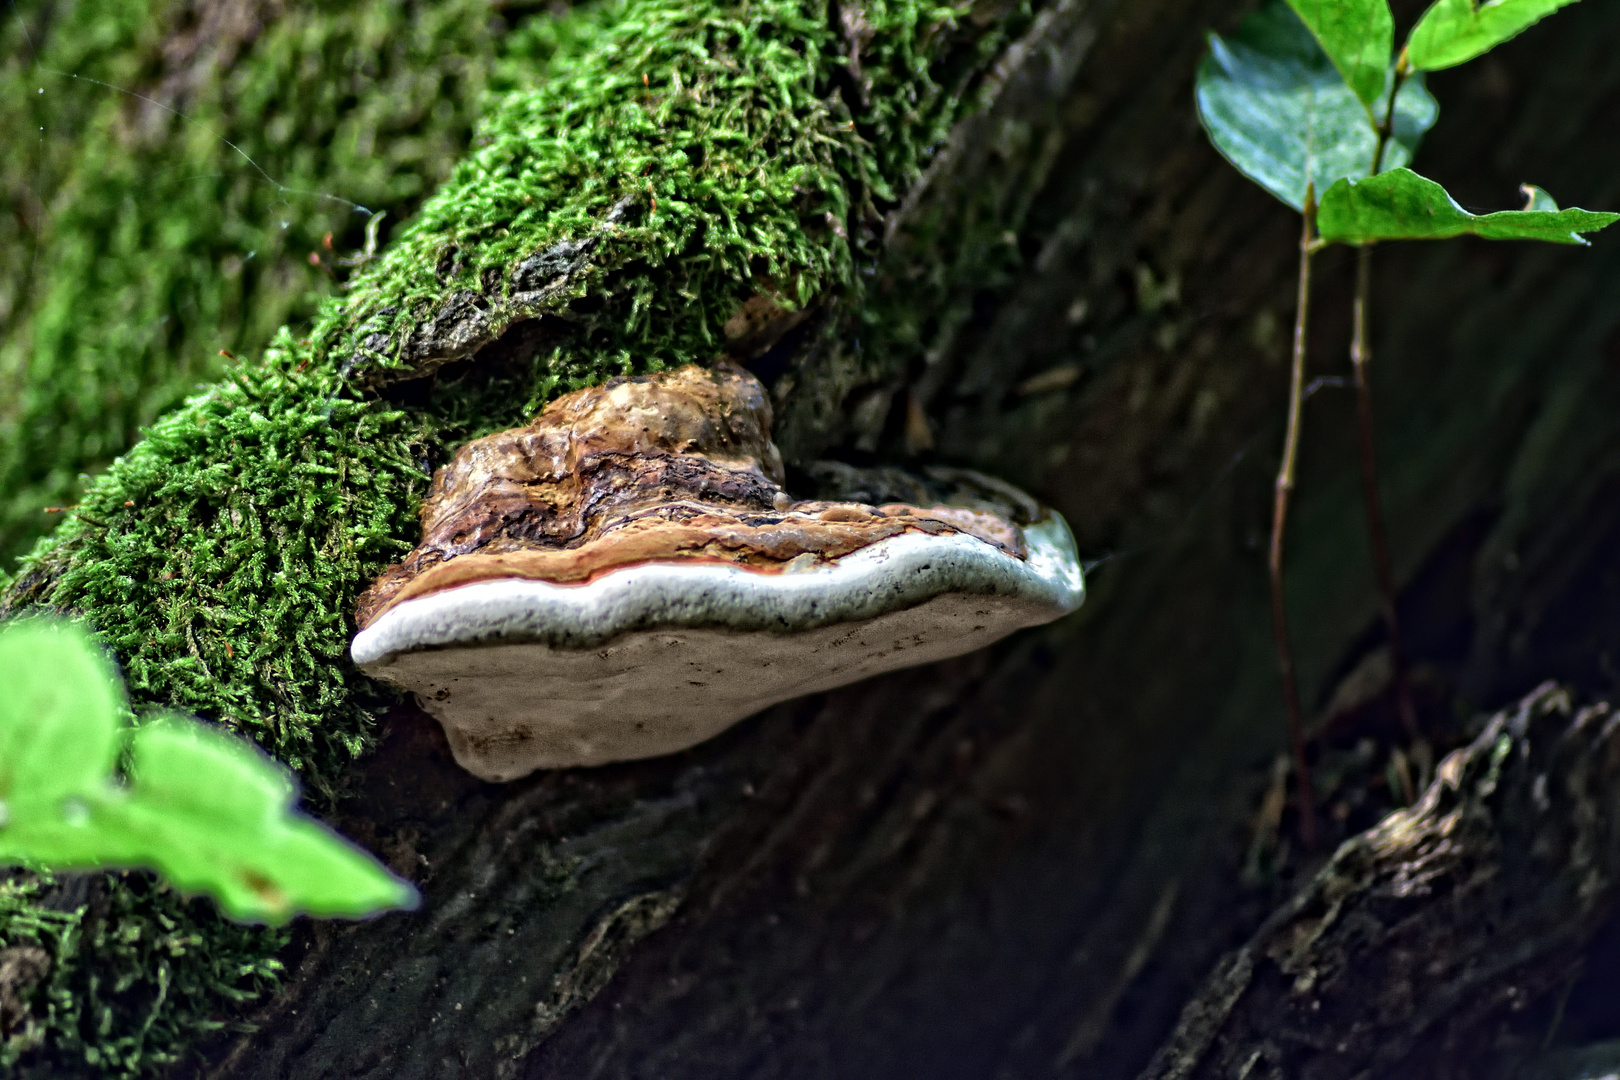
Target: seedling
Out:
[208,811]
[1310,101]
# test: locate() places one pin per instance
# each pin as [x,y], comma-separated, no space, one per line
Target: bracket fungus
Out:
[626,577]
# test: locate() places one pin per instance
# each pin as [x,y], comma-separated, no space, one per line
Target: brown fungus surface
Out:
[674,466]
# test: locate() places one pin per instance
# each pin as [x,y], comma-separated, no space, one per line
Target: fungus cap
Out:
[625,578]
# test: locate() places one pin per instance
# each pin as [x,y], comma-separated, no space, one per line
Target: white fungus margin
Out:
[655,658]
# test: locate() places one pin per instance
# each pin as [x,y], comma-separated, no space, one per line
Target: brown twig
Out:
[1360,358]
[1279,522]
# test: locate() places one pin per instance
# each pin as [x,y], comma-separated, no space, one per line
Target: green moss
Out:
[664,159]
[220,559]
[164,971]
[143,242]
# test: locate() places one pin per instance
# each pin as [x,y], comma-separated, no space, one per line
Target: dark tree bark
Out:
[1477,898]
[1028,863]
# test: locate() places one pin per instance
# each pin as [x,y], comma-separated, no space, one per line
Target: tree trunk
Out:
[1029,861]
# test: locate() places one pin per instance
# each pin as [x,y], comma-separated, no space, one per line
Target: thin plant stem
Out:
[1279,524]
[1360,359]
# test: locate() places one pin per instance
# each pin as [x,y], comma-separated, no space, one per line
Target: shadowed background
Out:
[1021,863]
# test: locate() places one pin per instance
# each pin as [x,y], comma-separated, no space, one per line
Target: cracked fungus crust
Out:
[625,577]
[678,465]
[647,167]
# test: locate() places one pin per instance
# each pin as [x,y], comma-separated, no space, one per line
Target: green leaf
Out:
[1276,108]
[1358,36]
[1454,31]
[208,811]
[60,710]
[214,815]
[1401,205]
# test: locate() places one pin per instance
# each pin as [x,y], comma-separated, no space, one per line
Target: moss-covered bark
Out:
[641,169]
[172,167]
